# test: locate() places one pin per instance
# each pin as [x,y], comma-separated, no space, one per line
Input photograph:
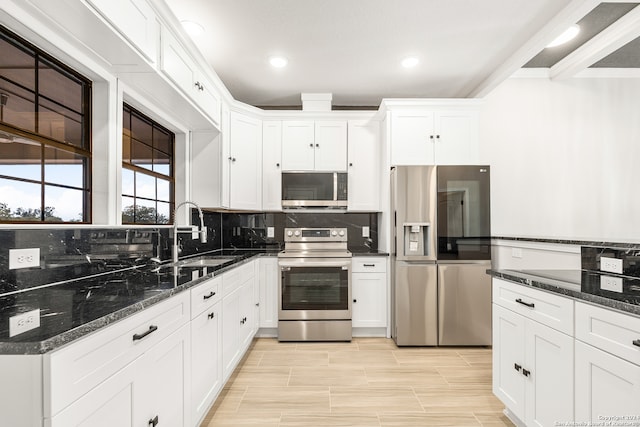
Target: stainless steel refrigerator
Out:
[442,249]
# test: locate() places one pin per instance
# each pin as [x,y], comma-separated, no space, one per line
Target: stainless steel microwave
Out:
[314,189]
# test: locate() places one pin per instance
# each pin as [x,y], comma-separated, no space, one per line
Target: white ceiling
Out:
[353,48]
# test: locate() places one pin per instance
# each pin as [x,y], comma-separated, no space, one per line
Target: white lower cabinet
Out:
[607,367]
[369,292]
[206,348]
[238,315]
[532,364]
[151,390]
[268,292]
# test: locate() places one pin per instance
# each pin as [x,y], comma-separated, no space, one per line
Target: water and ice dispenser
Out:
[416,238]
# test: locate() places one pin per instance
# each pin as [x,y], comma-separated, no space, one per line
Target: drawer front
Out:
[236,277]
[552,310]
[369,265]
[611,331]
[75,369]
[205,295]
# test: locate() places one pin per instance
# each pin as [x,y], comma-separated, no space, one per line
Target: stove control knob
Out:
[297,233]
[289,233]
[341,233]
[334,233]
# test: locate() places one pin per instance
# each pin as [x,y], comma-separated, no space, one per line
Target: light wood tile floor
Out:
[367,382]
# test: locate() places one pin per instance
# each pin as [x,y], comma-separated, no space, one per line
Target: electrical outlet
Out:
[24,322]
[611,265]
[516,252]
[24,258]
[609,283]
[365,231]
[271,232]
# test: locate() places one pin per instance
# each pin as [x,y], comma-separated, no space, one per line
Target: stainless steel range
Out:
[315,285]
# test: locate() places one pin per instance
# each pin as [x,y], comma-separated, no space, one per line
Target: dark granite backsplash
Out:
[70,253]
[591,258]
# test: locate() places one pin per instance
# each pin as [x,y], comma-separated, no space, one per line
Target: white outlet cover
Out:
[24,322]
[611,265]
[365,231]
[271,232]
[609,283]
[24,258]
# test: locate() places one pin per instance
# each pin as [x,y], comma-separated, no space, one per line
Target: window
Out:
[45,145]
[147,170]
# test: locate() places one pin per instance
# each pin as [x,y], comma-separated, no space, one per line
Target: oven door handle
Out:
[314,263]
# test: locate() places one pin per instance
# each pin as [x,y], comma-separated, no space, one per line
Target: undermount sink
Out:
[207,262]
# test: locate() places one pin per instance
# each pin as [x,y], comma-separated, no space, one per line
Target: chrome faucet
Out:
[202,231]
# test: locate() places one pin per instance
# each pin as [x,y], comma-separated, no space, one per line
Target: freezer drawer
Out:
[464,304]
[416,314]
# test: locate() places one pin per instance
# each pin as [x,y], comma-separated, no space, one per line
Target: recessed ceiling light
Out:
[568,34]
[410,62]
[278,61]
[192,28]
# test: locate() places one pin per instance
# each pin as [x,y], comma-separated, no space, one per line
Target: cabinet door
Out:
[135,20]
[412,138]
[606,387]
[162,388]
[230,331]
[268,285]
[107,405]
[549,359]
[369,300]
[298,145]
[456,136]
[206,97]
[225,164]
[271,162]
[245,171]
[331,146]
[176,63]
[206,361]
[247,313]
[509,359]
[364,166]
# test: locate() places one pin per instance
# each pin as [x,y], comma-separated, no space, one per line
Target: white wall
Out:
[565,158]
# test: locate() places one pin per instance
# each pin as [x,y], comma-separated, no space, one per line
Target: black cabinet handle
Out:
[311,145]
[355,300]
[211,315]
[277,165]
[430,136]
[526,372]
[257,304]
[317,145]
[151,329]
[368,265]
[636,342]
[209,295]
[437,136]
[528,304]
[517,367]
[154,421]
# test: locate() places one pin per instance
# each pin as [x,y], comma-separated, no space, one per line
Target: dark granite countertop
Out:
[372,252]
[583,285]
[72,309]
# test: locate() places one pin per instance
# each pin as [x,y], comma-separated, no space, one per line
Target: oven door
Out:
[314,289]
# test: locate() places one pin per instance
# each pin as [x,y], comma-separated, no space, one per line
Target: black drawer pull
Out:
[528,304]
[211,315]
[369,265]
[517,367]
[636,342]
[526,372]
[151,329]
[154,421]
[209,295]
[355,300]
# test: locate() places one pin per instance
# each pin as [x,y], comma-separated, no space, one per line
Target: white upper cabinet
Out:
[271,165]
[245,162]
[177,64]
[135,21]
[314,146]
[364,165]
[435,135]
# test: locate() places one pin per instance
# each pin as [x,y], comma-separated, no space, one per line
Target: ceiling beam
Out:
[612,38]
[568,16]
